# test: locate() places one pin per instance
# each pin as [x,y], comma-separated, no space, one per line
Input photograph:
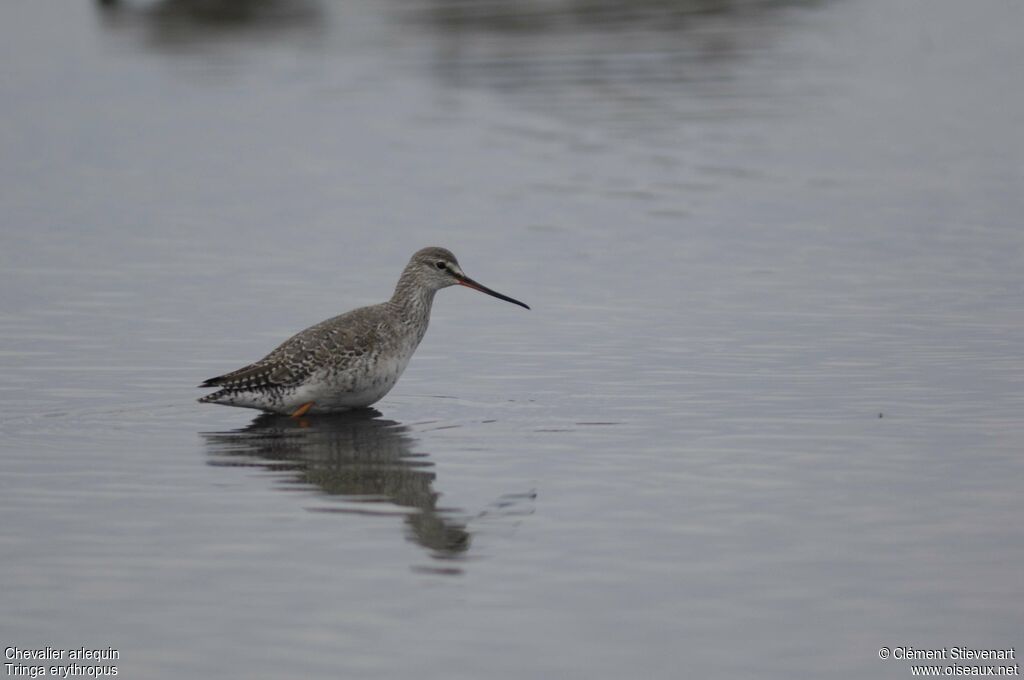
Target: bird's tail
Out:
[217,397]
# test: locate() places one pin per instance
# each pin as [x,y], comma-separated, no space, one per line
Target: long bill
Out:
[470,283]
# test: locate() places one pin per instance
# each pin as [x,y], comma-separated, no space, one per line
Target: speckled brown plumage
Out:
[351,360]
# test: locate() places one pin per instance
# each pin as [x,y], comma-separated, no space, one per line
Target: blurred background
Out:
[763,418]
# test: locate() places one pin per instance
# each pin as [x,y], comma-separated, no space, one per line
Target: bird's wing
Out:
[333,342]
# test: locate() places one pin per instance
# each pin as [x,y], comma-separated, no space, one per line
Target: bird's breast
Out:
[362,381]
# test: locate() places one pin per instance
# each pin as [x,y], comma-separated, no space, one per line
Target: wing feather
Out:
[334,342]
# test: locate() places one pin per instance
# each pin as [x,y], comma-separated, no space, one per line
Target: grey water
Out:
[765,417]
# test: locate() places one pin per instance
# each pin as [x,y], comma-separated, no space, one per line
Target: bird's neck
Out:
[413,300]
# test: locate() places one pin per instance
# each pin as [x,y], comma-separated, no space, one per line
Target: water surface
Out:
[763,418]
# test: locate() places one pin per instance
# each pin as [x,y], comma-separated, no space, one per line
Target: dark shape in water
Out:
[357,455]
[635,66]
[179,23]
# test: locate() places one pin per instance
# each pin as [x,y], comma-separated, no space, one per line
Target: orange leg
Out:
[303,410]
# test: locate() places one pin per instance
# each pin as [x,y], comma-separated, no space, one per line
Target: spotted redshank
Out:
[348,361]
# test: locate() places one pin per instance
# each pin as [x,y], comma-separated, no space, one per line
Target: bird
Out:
[352,360]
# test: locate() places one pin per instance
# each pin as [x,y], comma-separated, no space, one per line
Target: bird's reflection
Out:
[357,456]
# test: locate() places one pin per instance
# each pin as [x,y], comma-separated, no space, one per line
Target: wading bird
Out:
[348,361]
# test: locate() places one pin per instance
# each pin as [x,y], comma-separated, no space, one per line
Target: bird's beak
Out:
[470,283]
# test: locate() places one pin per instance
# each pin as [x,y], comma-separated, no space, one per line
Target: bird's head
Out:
[438,268]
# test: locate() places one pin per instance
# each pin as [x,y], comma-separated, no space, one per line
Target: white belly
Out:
[359,386]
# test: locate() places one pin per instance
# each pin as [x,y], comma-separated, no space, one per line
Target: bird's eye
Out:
[440,265]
